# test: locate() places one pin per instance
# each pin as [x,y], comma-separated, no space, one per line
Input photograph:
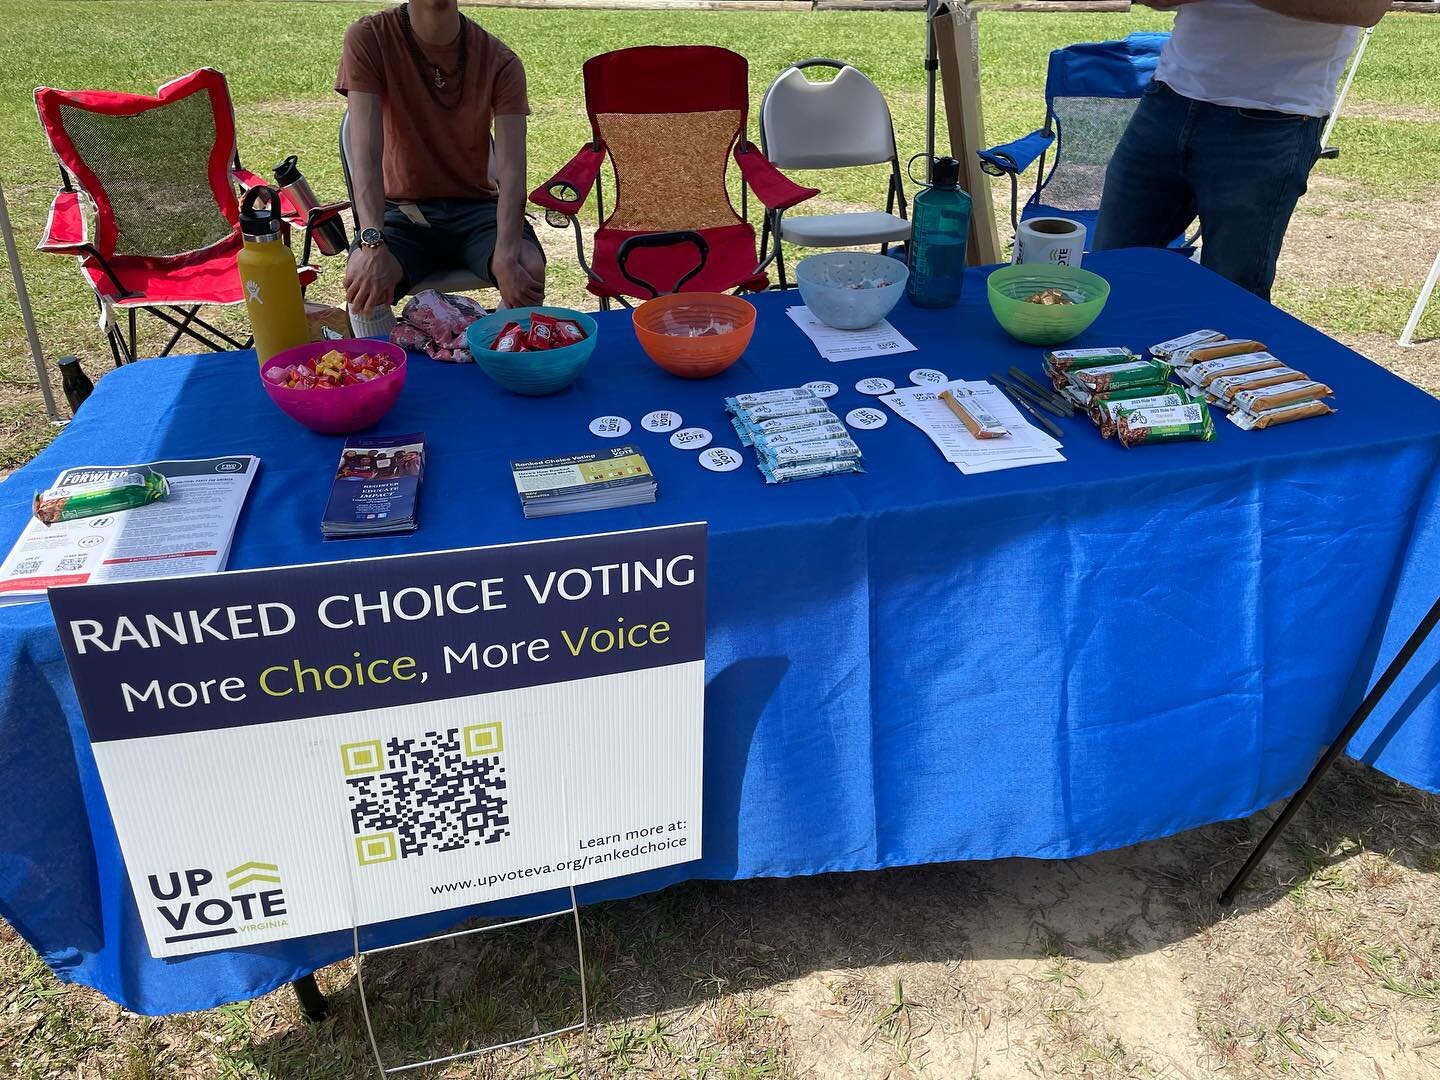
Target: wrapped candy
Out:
[435,323]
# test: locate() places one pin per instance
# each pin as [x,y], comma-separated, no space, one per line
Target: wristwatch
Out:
[371,238]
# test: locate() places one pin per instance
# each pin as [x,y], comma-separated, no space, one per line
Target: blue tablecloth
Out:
[905,666]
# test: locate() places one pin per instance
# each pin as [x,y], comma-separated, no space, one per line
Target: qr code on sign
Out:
[442,791]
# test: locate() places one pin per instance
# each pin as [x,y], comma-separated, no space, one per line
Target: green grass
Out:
[280,58]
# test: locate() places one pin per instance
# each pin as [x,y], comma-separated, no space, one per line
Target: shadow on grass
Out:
[690,947]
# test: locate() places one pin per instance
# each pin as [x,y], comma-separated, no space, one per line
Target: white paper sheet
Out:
[1025,445]
[882,339]
[189,532]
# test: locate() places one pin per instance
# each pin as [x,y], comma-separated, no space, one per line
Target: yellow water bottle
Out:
[269,278]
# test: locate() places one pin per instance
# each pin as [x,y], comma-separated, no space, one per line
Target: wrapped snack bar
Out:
[1302,410]
[1170,423]
[1227,386]
[1207,371]
[817,433]
[1216,350]
[782,474]
[762,397]
[1060,361]
[1105,408]
[1167,350]
[1267,398]
[1097,380]
[122,489]
[844,449]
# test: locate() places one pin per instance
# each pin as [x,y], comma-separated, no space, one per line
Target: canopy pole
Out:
[42,373]
[932,65]
[1345,89]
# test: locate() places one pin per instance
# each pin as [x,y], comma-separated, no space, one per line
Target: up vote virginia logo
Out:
[197,903]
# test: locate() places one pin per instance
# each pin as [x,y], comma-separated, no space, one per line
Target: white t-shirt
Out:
[1234,52]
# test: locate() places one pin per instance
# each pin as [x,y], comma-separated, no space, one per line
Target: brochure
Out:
[188,532]
[377,487]
[601,480]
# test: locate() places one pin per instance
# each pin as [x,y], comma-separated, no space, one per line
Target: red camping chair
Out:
[147,203]
[669,117]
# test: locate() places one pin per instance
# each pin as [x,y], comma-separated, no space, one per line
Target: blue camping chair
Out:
[1091,91]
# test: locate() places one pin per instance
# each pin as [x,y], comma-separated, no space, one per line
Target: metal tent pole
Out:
[1335,749]
[42,373]
[1345,89]
[932,65]
[1407,336]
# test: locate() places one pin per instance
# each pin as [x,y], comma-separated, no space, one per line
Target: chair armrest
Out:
[565,192]
[1015,157]
[774,189]
[65,229]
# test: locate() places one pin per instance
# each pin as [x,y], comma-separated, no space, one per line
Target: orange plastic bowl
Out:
[665,325]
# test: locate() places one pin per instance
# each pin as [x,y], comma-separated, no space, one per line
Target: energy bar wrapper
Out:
[1166,350]
[1120,376]
[124,490]
[1207,371]
[1104,408]
[1170,423]
[1301,410]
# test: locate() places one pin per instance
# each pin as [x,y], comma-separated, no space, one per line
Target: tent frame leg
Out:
[1333,752]
[314,1005]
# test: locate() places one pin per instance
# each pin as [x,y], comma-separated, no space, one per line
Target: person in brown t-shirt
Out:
[425,87]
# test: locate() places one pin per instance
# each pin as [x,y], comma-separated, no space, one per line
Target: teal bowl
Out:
[530,373]
[1045,324]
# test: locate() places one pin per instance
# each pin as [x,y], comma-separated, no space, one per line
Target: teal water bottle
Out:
[940,226]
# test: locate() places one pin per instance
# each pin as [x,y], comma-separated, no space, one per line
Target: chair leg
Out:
[134,349]
[313,1003]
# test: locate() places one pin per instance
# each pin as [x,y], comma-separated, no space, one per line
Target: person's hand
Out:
[518,286]
[371,275]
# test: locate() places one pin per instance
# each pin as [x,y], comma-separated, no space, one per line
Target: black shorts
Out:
[458,234]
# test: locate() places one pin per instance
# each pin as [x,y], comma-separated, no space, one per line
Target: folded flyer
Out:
[597,480]
[377,487]
[187,532]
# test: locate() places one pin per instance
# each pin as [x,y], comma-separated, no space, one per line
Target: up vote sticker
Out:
[660,420]
[610,427]
[720,459]
[928,376]
[866,418]
[690,438]
[874,386]
[823,389]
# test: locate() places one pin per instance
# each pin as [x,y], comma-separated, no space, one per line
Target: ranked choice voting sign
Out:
[293,751]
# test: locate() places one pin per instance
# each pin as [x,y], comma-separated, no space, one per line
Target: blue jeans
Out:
[1241,171]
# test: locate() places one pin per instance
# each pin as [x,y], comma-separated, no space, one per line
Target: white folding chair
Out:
[838,124]
[458,279]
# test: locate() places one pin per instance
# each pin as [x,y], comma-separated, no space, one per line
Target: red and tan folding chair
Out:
[147,204]
[669,117]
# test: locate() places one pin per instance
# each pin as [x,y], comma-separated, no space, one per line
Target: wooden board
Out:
[957,37]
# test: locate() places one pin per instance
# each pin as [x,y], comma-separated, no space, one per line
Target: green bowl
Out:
[1045,324]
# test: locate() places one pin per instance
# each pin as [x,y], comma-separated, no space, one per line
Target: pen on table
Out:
[1048,425]
[1046,403]
[1047,393]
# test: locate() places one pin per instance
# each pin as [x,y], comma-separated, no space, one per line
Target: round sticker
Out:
[610,427]
[690,438]
[660,420]
[821,388]
[721,459]
[866,418]
[928,376]
[874,386]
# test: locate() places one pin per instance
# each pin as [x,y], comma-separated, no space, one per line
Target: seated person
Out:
[425,86]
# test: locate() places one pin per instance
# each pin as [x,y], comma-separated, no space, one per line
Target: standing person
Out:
[425,87]
[1230,128]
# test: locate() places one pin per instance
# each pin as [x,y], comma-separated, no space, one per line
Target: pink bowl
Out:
[344,409]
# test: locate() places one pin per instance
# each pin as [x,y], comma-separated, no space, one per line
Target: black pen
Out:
[1045,403]
[1048,425]
[1059,399]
